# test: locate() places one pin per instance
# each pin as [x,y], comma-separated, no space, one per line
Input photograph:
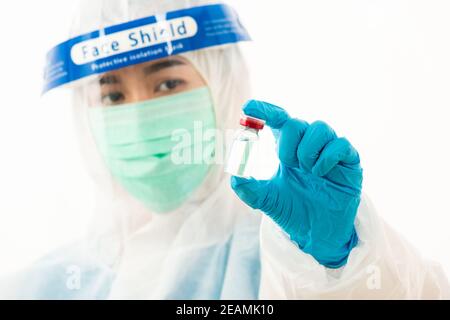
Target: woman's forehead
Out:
[151,67]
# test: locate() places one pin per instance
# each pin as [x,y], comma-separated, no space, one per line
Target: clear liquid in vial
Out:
[239,158]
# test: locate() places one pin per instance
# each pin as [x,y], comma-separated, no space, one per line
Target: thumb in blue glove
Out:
[315,195]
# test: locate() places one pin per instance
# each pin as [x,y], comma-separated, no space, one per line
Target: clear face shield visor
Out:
[143,82]
[145,102]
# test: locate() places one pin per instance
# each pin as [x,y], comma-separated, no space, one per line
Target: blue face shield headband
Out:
[142,40]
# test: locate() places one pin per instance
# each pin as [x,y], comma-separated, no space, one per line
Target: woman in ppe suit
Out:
[154,75]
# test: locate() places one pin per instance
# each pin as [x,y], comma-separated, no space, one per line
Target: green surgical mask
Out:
[144,143]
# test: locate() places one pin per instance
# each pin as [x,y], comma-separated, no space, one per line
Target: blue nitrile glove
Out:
[314,196]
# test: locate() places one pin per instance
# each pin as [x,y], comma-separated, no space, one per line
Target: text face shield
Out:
[142,40]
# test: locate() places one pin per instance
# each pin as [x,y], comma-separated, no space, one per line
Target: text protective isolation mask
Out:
[157,149]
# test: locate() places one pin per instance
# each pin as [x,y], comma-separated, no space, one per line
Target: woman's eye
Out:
[169,85]
[112,98]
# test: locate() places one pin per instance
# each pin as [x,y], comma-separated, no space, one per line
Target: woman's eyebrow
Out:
[108,79]
[158,66]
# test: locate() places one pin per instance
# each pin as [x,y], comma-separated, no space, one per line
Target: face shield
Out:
[157,89]
[147,105]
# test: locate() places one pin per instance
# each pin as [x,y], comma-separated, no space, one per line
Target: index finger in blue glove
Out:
[290,136]
[274,116]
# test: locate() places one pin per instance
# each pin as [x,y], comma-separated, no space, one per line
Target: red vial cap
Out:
[252,123]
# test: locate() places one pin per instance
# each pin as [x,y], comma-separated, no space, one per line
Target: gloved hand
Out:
[315,195]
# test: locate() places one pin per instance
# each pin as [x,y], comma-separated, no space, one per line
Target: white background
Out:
[377,71]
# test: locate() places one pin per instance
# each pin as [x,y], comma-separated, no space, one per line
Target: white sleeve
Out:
[382,266]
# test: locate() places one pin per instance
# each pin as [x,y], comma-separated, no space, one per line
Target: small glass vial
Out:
[239,156]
